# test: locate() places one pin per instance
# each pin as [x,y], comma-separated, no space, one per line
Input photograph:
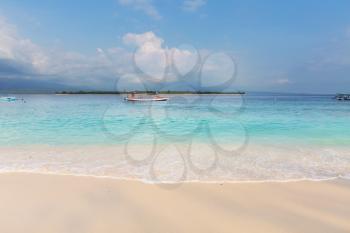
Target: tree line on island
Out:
[145,92]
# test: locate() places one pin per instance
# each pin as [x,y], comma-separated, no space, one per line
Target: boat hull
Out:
[145,100]
[8,99]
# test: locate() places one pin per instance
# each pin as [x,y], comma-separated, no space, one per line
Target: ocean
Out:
[209,138]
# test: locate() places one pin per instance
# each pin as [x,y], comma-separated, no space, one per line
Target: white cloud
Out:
[34,61]
[193,5]
[13,47]
[145,6]
[149,59]
[154,59]
[185,58]
[218,69]
[141,39]
[283,81]
[22,58]
[162,64]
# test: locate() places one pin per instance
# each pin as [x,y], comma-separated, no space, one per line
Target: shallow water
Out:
[224,137]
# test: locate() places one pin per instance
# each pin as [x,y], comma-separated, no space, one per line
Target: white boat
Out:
[134,97]
[8,98]
[146,99]
[342,97]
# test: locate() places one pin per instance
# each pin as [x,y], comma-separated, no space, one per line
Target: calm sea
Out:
[294,136]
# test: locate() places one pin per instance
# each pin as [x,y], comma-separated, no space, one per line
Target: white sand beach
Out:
[41,203]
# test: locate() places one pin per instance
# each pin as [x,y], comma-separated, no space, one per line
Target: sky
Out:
[276,46]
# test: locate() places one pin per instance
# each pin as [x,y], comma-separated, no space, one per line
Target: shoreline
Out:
[173,165]
[56,203]
[144,181]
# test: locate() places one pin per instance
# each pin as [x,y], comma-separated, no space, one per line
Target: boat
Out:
[342,97]
[8,98]
[146,99]
[133,97]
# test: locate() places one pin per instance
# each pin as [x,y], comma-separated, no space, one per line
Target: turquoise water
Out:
[189,138]
[107,119]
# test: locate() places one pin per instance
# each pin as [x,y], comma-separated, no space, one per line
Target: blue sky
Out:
[284,46]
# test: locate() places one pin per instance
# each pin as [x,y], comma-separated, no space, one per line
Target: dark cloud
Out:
[13,68]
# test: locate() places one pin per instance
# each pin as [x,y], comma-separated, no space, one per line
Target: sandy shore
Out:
[53,203]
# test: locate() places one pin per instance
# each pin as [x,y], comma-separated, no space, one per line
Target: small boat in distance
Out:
[8,98]
[133,97]
[342,97]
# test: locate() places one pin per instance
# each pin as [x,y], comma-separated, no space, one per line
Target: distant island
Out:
[145,92]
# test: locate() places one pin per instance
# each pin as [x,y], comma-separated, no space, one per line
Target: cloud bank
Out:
[22,58]
[142,58]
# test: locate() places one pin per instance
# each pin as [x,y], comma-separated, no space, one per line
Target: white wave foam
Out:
[258,163]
